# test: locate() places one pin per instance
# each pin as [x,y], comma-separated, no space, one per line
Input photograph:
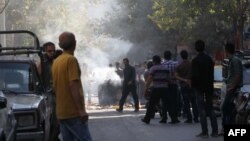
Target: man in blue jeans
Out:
[70,105]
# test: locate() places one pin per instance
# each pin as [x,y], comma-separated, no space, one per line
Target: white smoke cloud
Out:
[84,18]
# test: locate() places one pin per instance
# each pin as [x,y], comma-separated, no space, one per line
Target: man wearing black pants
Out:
[159,75]
[129,85]
[202,81]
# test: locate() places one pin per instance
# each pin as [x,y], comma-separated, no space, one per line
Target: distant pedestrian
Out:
[202,81]
[70,105]
[158,79]
[234,82]
[129,85]
[183,74]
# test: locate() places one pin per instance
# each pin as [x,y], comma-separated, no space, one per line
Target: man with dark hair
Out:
[129,85]
[173,94]
[202,81]
[234,82]
[159,75]
[183,74]
[70,105]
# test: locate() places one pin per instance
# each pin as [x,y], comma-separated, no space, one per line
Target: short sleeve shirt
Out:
[65,69]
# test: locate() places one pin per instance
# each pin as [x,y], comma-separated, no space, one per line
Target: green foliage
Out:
[211,20]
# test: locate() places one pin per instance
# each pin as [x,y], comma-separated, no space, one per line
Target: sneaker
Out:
[188,121]
[202,135]
[214,135]
[119,110]
[145,121]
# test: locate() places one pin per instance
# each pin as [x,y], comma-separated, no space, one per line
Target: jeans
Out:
[228,108]
[74,130]
[189,98]
[205,108]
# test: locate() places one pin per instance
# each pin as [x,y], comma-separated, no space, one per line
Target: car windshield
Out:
[14,77]
[218,74]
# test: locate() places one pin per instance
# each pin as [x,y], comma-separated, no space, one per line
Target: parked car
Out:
[22,85]
[7,120]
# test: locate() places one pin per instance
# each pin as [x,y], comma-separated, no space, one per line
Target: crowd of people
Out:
[177,86]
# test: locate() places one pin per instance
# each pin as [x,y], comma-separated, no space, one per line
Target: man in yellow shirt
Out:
[70,106]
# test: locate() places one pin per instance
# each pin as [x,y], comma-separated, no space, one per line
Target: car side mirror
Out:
[3,102]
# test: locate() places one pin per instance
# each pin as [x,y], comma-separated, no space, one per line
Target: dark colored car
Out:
[7,120]
[21,83]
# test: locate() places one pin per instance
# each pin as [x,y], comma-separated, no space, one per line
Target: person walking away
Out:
[159,76]
[202,81]
[234,82]
[129,85]
[173,96]
[183,74]
[70,105]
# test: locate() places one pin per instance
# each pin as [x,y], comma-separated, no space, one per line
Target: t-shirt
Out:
[161,76]
[64,70]
[184,71]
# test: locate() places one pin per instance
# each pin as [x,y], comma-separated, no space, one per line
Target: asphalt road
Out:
[109,125]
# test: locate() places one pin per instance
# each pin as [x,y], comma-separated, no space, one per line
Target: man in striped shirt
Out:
[159,77]
[172,101]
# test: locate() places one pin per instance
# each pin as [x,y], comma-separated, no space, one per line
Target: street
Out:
[109,125]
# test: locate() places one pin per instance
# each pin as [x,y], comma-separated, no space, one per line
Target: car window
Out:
[14,76]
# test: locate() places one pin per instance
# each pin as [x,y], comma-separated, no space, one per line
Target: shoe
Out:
[196,121]
[221,132]
[163,121]
[202,135]
[119,110]
[174,122]
[136,110]
[145,121]
[214,135]
[188,121]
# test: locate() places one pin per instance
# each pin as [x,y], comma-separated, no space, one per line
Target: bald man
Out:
[70,105]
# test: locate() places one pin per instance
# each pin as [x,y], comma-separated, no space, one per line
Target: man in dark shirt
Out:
[129,85]
[183,73]
[234,82]
[202,81]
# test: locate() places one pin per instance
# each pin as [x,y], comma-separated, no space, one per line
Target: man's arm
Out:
[75,87]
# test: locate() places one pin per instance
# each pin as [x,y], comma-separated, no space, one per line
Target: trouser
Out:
[125,92]
[75,130]
[228,108]
[172,101]
[157,94]
[205,108]
[189,98]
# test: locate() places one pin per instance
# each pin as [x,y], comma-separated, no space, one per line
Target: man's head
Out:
[156,59]
[49,49]
[199,46]
[67,41]
[184,54]
[125,61]
[167,55]
[229,49]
